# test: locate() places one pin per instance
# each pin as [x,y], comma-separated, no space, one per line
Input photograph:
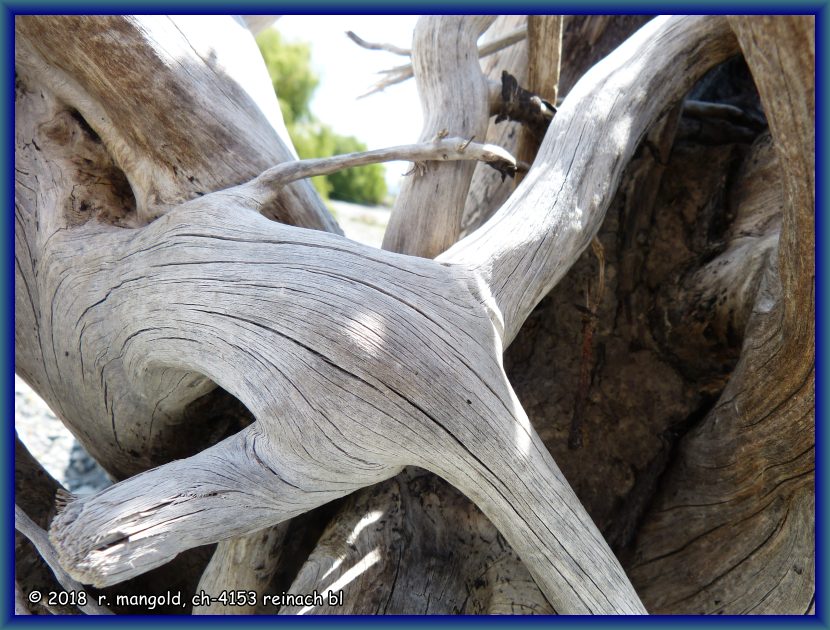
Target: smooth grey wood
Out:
[426,217]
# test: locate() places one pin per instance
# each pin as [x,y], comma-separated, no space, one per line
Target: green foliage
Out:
[310,141]
[289,65]
[365,184]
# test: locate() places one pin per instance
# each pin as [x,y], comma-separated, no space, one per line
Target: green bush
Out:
[289,65]
[365,184]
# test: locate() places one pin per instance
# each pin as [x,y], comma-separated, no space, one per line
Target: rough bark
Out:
[742,486]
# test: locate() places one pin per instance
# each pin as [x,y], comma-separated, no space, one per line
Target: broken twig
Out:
[520,105]
[399,74]
[439,150]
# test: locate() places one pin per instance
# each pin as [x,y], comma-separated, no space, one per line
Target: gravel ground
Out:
[364,224]
[55,447]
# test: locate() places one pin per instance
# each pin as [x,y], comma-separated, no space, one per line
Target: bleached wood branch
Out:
[205,123]
[503,42]
[762,429]
[487,193]
[387,547]
[236,121]
[553,215]
[426,217]
[438,150]
[244,564]
[38,538]
[544,52]
[354,361]
[402,73]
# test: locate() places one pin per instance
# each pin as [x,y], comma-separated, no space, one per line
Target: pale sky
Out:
[346,71]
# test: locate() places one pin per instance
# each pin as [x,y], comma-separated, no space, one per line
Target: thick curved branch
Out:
[553,215]
[415,545]
[749,468]
[388,546]
[355,363]
[780,52]
[119,119]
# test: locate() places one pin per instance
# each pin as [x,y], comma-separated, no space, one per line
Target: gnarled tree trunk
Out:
[346,418]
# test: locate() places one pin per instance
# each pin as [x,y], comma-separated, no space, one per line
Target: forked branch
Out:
[531,242]
[356,362]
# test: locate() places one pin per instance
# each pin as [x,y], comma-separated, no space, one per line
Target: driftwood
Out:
[139,290]
[454,100]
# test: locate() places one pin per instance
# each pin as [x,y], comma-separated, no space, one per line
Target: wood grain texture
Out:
[37,536]
[412,543]
[733,530]
[453,94]
[415,545]
[355,362]
[318,343]
[544,54]
[243,564]
[586,40]
[488,189]
[183,104]
[84,154]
